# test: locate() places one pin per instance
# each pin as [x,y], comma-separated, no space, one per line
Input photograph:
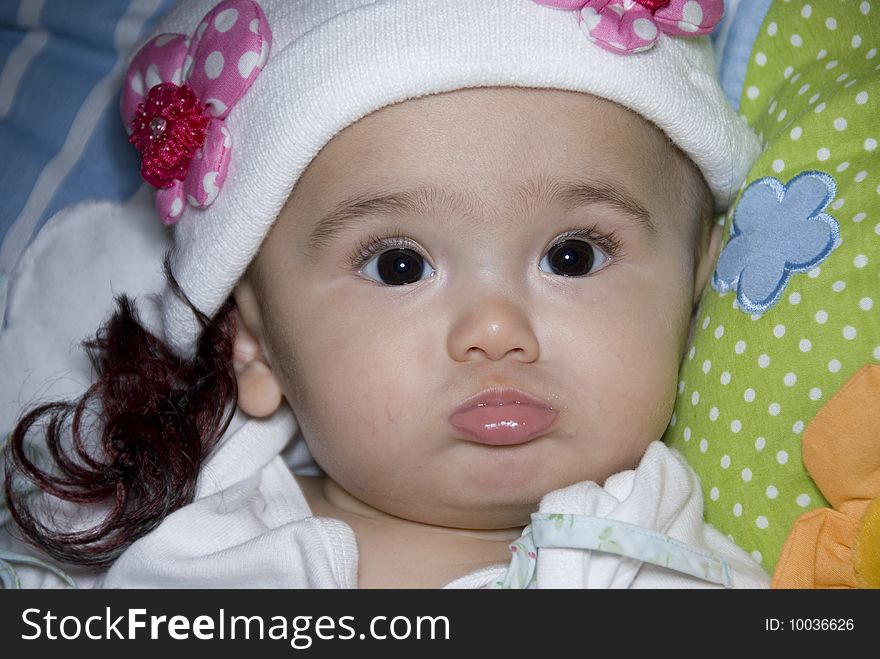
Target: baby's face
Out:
[475,298]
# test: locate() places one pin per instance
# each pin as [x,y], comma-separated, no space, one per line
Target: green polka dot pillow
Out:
[794,306]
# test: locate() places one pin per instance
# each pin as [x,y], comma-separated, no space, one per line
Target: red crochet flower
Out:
[168,128]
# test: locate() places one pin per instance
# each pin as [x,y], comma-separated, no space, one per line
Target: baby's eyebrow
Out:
[426,199]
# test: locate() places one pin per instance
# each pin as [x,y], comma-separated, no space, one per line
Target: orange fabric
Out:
[840,548]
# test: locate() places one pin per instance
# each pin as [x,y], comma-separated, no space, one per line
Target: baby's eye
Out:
[572,258]
[397,267]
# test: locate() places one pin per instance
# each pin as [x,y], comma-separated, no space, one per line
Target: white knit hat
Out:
[332,62]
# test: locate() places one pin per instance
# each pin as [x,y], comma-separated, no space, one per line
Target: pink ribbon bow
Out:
[631,26]
[178,90]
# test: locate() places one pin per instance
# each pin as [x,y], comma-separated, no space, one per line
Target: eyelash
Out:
[373,245]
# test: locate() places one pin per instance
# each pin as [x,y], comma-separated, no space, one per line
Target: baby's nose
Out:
[495,328]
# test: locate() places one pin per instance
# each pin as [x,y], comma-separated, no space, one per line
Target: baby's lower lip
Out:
[503,424]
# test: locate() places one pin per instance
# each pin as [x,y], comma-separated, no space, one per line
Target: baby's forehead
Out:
[499,136]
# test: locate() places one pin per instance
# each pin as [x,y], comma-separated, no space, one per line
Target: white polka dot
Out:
[737,510]
[760,443]
[226,20]
[772,28]
[687,434]
[842,167]
[782,115]
[865,7]
[707,366]
[673,420]
[806,11]
[216,106]
[214,65]
[842,77]
[227,137]
[813,99]
[803,89]
[794,298]
[856,41]
[740,347]
[771,492]
[692,352]
[821,316]
[834,365]
[797,427]
[790,379]
[247,63]
[736,425]
[796,133]
[713,414]
[862,98]
[645,29]
[719,331]
[211,189]
[787,73]
[761,522]
[782,457]
[192,201]
[137,84]
[876,353]
[871,54]
[770,110]
[814,272]
[805,345]
[746,474]
[773,409]
[725,461]
[704,445]
[176,207]
[779,331]
[866,304]
[695,398]
[831,64]
[858,178]
[877,226]
[823,154]
[778,165]
[725,377]
[681,386]
[760,59]
[152,77]
[706,321]
[815,393]
[803,500]
[749,395]
[796,40]
[849,332]
[753,92]
[254,26]
[714,494]
[831,23]
[164,40]
[822,52]
[860,261]
[764,361]
[838,286]
[820,108]
[870,144]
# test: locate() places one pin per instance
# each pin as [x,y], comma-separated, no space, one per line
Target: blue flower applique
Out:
[778,229]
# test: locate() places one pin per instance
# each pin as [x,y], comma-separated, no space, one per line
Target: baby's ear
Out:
[259,393]
[706,263]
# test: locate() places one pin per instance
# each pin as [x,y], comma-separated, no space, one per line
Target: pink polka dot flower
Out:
[631,26]
[179,89]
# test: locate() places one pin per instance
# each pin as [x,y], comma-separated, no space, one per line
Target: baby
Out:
[457,251]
